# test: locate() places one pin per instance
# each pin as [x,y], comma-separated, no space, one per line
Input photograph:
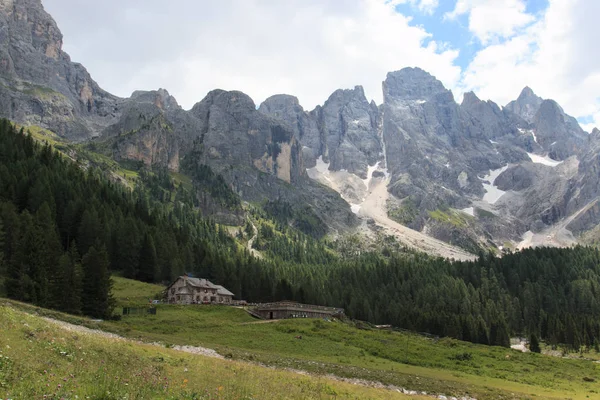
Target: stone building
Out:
[292,309]
[186,290]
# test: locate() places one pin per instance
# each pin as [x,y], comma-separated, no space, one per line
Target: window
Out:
[205,290]
[172,290]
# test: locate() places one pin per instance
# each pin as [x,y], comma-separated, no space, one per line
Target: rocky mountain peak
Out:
[412,84]
[231,101]
[470,99]
[280,105]
[160,98]
[527,92]
[526,105]
[347,95]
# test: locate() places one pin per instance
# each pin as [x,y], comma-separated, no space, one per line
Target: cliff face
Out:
[527,166]
[343,132]
[40,84]
[259,157]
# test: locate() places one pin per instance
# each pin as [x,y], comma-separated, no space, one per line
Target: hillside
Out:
[355,352]
[39,359]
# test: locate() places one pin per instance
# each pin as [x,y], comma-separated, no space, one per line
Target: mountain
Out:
[420,166]
[40,84]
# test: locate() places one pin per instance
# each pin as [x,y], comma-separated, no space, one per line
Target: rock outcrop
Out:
[39,83]
[344,131]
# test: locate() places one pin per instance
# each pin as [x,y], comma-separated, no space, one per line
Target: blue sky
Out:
[455,31]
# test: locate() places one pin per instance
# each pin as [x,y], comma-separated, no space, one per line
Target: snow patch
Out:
[492,142]
[534,137]
[447,165]
[420,101]
[469,210]
[543,160]
[355,208]
[529,132]
[322,167]
[492,193]
[370,170]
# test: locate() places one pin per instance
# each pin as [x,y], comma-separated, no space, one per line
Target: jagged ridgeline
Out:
[65,228]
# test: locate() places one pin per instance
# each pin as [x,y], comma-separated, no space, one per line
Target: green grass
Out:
[451,217]
[41,360]
[128,292]
[182,179]
[355,350]
[42,135]
[105,163]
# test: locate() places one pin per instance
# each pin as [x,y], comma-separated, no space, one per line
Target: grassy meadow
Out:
[349,350]
[40,360]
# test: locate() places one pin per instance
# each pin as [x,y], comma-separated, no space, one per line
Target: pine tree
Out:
[48,252]
[127,248]
[70,284]
[2,265]
[90,230]
[19,285]
[534,344]
[148,265]
[96,296]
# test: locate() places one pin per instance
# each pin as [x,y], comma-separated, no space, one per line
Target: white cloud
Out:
[307,48]
[424,6]
[490,20]
[555,56]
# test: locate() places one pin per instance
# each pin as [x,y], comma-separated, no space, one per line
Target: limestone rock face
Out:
[434,151]
[527,166]
[304,125]
[558,133]
[344,131]
[39,83]
[234,132]
[526,106]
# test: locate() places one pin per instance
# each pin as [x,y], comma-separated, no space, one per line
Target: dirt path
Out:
[251,241]
[375,207]
[96,332]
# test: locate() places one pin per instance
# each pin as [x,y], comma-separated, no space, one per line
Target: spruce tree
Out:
[19,285]
[96,298]
[148,265]
[70,282]
[534,343]
[2,265]
[48,252]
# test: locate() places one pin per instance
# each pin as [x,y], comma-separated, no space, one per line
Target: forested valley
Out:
[64,229]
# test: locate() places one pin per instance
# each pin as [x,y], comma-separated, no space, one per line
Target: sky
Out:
[310,48]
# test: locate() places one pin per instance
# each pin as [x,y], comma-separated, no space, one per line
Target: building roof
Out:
[203,284]
[223,292]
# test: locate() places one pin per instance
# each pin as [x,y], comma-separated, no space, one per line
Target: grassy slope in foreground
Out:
[437,366]
[41,360]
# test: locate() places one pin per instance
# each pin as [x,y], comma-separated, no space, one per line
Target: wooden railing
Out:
[290,304]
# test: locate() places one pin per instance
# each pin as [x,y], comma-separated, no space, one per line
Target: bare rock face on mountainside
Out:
[473,174]
[259,157]
[343,132]
[40,84]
